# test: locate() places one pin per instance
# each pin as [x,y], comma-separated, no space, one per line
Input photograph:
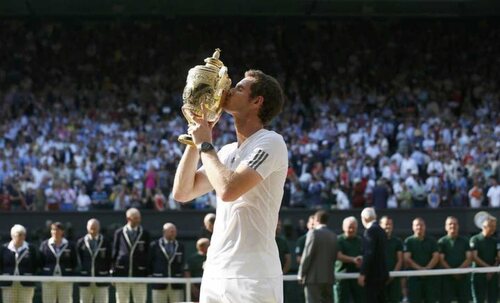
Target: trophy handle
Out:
[186,139]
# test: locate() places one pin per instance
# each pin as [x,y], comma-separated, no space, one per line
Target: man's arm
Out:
[399,262]
[443,262]
[410,263]
[348,259]
[478,260]
[229,185]
[468,260]
[188,182]
[433,262]
[288,263]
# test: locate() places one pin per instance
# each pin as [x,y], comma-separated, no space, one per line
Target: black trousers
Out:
[375,292]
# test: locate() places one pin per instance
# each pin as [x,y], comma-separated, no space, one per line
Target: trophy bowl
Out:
[204,92]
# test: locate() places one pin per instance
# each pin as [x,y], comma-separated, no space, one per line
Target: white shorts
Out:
[258,290]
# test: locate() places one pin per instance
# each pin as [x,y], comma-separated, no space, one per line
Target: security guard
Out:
[349,260]
[454,252]
[394,260]
[484,254]
[421,253]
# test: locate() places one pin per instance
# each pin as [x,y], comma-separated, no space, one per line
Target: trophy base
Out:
[186,139]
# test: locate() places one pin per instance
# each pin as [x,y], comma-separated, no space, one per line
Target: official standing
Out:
[393,261]
[373,273]
[484,248]
[167,260]
[316,269]
[18,258]
[454,252]
[130,258]
[421,253]
[349,258]
[94,254]
[57,258]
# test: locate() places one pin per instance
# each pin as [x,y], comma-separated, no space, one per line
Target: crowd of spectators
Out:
[391,113]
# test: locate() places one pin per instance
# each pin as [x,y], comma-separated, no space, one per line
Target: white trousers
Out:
[57,292]
[168,295]
[18,293]
[93,293]
[258,290]
[139,292]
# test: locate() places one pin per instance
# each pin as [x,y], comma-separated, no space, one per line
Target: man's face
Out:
[170,233]
[350,228]
[418,228]
[134,220]
[451,227]
[387,225]
[310,223]
[489,227]
[56,233]
[238,97]
[18,237]
[93,228]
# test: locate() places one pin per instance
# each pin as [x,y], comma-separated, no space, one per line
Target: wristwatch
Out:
[205,147]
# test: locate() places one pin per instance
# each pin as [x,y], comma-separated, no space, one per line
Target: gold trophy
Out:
[204,90]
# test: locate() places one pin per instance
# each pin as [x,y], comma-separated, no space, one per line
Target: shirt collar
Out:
[132,229]
[63,242]
[89,237]
[11,246]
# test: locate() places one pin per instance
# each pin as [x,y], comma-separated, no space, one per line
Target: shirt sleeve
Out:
[222,154]
[407,246]
[399,247]
[268,155]
[440,244]
[434,246]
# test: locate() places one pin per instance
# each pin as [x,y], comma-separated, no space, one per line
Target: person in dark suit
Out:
[94,254]
[373,273]
[57,258]
[316,270]
[166,259]
[18,258]
[130,257]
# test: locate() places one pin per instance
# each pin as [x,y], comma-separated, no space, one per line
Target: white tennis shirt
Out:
[243,244]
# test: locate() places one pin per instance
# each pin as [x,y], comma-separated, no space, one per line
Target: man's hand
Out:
[361,280]
[301,280]
[202,130]
[358,261]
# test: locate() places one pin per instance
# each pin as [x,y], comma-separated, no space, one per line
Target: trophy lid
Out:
[214,60]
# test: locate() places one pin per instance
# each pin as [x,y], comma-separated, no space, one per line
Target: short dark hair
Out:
[269,88]
[321,216]
[57,225]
